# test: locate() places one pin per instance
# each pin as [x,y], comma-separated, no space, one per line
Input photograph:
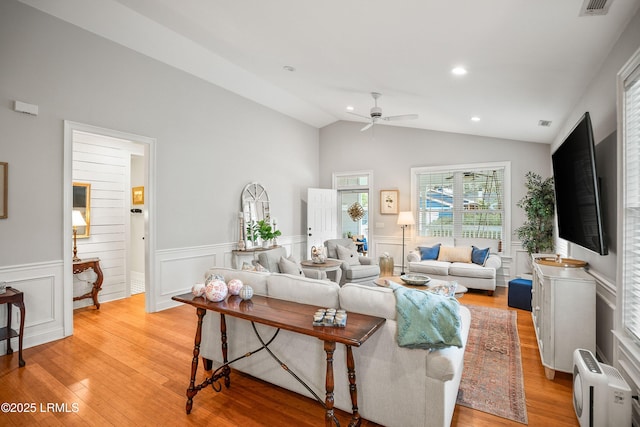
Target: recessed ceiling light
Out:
[289,68]
[475,119]
[459,71]
[350,108]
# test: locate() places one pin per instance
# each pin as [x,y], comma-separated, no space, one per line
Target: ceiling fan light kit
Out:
[375,114]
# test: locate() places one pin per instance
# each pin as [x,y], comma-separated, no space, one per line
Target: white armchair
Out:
[355,268]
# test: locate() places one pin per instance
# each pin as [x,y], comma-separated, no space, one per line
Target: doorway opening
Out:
[118,167]
[353,204]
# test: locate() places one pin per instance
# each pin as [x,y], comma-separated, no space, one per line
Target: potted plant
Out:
[266,232]
[536,233]
[252,232]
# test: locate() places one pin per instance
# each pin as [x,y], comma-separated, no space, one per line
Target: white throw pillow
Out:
[348,255]
[290,266]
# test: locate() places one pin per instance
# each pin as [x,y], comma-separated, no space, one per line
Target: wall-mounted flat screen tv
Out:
[577,190]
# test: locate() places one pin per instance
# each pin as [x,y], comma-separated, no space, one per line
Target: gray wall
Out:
[391,152]
[600,100]
[210,142]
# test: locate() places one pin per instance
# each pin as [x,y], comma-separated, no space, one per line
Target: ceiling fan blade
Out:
[401,117]
[359,115]
[366,127]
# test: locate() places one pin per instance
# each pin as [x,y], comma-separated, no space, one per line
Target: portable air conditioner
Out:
[601,397]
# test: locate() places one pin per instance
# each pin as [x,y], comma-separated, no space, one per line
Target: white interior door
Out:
[322,216]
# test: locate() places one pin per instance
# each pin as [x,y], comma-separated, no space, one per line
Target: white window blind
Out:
[467,202]
[631,204]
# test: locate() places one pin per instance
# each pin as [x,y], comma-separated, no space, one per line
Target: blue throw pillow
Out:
[429,252]
[479,256]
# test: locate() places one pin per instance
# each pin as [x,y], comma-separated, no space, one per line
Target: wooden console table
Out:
[85,264]
[289,316]
[13,297]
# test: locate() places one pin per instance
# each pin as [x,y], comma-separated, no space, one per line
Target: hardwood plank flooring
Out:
[125,367]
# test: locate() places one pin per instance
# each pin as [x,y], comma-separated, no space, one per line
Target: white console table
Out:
[563,302]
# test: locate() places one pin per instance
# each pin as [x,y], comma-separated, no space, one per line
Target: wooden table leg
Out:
[223,336]
[329,348]
[9,349]
[97,285]
[353,389]
[22,313]
[192,391]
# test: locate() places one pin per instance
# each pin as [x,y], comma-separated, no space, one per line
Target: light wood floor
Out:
[125,367]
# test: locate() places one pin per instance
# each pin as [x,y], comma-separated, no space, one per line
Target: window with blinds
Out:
[460,201]
[631,202]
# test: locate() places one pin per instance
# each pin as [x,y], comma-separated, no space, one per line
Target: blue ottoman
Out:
[520,294]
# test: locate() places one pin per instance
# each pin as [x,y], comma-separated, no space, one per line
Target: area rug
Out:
[492,379]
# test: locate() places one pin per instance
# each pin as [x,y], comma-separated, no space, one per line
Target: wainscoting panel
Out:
[177,270]
[629,367]
[605,316]
[42,287]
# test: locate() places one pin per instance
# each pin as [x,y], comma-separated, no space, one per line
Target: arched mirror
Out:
[255,203]
[81,202]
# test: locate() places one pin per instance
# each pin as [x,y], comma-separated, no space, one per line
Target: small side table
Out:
[13,297]
[85,264]
[328,265]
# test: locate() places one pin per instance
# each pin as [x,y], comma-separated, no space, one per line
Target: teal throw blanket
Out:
[426,320]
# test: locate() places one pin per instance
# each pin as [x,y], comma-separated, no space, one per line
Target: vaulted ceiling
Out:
[526,60]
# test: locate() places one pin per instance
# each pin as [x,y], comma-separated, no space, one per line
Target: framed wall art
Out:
[82,203]
[389,202]
[4,189]
[137,195]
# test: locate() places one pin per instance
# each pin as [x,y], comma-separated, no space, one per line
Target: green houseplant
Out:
[536,234]
[266,232]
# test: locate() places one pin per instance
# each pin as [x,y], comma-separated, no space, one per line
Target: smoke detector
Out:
[595,7]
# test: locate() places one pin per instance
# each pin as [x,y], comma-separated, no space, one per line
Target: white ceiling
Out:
[527,60]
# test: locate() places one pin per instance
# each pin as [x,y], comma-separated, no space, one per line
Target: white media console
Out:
[563,303]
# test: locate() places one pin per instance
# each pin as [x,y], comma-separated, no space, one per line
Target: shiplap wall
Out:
[104,163]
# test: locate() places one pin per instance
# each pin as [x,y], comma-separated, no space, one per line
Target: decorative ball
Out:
[234,286]
[212,277]
[216,291]
[246,292]
[198,289]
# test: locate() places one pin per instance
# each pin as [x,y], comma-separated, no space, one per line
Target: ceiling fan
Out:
[376,114]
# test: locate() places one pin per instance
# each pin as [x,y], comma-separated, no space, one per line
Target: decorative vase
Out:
[246,292]
[386,265]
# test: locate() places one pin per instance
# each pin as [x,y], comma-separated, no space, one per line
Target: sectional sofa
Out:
[396,386]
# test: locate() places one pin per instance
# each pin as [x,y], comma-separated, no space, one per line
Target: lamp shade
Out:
[406,218]
[77,220]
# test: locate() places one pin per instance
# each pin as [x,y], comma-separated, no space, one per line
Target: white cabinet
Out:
[563,302]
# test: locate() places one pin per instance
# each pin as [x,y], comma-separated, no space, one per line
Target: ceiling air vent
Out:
[545,123]
[595,7]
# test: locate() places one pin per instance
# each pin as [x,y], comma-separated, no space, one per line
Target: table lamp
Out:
[404,220]
[76,221]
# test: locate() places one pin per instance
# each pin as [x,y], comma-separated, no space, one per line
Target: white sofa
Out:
[396,386]
[468,274]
